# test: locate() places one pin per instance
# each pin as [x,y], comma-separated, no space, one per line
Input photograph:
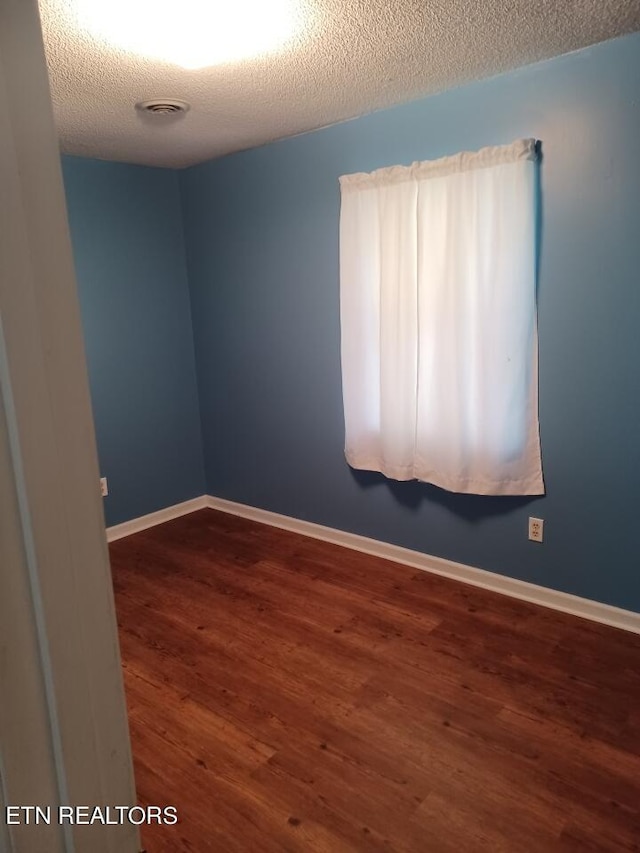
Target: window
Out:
[438,317]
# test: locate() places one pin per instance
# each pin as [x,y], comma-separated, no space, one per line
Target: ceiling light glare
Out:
[192,33]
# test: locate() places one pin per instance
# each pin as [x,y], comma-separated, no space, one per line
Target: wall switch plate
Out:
[536,529]
[104,489]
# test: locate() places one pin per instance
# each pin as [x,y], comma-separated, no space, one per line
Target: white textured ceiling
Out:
[352,57]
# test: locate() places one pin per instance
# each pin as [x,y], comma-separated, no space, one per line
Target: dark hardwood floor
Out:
[290,695]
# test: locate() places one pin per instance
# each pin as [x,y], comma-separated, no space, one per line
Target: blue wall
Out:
[262,253]
[129,254]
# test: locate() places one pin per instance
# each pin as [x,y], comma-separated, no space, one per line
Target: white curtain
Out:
[438,316]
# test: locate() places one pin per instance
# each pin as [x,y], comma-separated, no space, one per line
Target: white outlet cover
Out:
[536,529]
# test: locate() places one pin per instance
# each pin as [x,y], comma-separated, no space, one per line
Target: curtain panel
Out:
[438,321]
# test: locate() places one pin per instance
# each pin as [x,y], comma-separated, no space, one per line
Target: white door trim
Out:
[61,626]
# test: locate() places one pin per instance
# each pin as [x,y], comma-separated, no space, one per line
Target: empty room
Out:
[319,442]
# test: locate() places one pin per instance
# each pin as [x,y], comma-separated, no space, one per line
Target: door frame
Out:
[60,669]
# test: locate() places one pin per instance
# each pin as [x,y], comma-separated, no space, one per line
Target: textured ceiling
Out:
[350,57]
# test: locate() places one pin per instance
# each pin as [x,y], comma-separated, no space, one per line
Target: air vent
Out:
[162,107]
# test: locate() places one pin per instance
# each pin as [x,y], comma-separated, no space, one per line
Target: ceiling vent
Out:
[162,107]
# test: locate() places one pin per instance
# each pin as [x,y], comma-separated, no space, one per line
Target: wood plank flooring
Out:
[289,695]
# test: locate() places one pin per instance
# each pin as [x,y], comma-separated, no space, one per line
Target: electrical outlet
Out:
[536,529]
[104,489]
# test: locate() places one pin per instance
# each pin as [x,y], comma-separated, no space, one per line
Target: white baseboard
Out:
[118,531]
[554,599]
[627,620]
